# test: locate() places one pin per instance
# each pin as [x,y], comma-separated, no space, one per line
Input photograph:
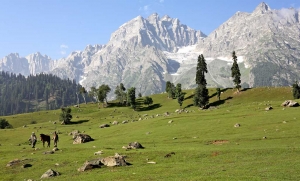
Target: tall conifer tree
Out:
[201,97]
[235,72]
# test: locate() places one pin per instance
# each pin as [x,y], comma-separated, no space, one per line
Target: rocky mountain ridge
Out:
[146,52]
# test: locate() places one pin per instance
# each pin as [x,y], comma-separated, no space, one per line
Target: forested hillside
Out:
[20,94]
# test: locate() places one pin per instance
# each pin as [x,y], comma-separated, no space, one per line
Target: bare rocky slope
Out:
[146,52]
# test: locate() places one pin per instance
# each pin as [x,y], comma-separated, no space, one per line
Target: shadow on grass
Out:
[215,94]
[148,108]
[245,89]
[219,102]
[189,97]
[116,104]
[78,122]
[190,105]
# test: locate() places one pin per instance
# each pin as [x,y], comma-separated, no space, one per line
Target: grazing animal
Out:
[169,154]
[45,138]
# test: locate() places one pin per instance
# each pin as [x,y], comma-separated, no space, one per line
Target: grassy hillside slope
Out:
[206,143]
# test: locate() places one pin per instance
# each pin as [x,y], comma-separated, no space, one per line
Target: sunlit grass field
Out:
[207,146]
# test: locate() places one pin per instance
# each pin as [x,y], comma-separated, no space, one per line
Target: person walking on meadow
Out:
[33,139]
[55,138]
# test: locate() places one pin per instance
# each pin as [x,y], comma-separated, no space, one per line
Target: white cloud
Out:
[63,49]
[64,46]
[145,9]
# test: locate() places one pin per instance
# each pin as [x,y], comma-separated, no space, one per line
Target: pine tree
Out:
[120,93]
[296,90]
[148,101]
[168,87]
[178,90]
[171,91]
[201,70]
[179,94]
[235,72]
[65,115]
[83,92]
[218,93]
[131,97]
[102,92]
[201,97]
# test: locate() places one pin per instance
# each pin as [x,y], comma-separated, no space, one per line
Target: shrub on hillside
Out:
[4,124]
[65,115]
[33,122]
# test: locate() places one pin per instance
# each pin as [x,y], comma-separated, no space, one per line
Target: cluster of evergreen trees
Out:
[20,94]
[201,96]
[175,92]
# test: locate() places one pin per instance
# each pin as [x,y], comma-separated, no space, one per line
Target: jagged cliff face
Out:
[134,55]
[146,52]
[266,40]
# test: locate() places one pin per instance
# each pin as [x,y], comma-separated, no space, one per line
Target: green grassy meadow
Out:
[206,143]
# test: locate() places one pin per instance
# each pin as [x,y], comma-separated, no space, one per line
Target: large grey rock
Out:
[135,145]
[50,173]
[88,165]
[82,138]
[290,103]
[117,160]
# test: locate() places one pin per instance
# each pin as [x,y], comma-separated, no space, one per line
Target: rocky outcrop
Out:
[266,41]
[88,165]
[110,161]
[290,103]
[117,160]
[50,173]
[133,145]
[82,138]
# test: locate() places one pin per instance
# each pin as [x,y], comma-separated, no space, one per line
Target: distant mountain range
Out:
[146,52]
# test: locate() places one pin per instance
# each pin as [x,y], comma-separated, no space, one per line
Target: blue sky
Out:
[58,27]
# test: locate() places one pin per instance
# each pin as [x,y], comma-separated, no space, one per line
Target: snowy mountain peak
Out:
[154,15]
[153,18]
[262,8]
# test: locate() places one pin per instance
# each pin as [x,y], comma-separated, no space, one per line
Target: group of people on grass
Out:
[33,139]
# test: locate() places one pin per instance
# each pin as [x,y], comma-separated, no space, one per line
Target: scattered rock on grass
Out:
[133,145]
[115,122]
[13,162]
[269,108]
[50,173]
[237,125]
[104,125]
[98,152]
[88,165]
